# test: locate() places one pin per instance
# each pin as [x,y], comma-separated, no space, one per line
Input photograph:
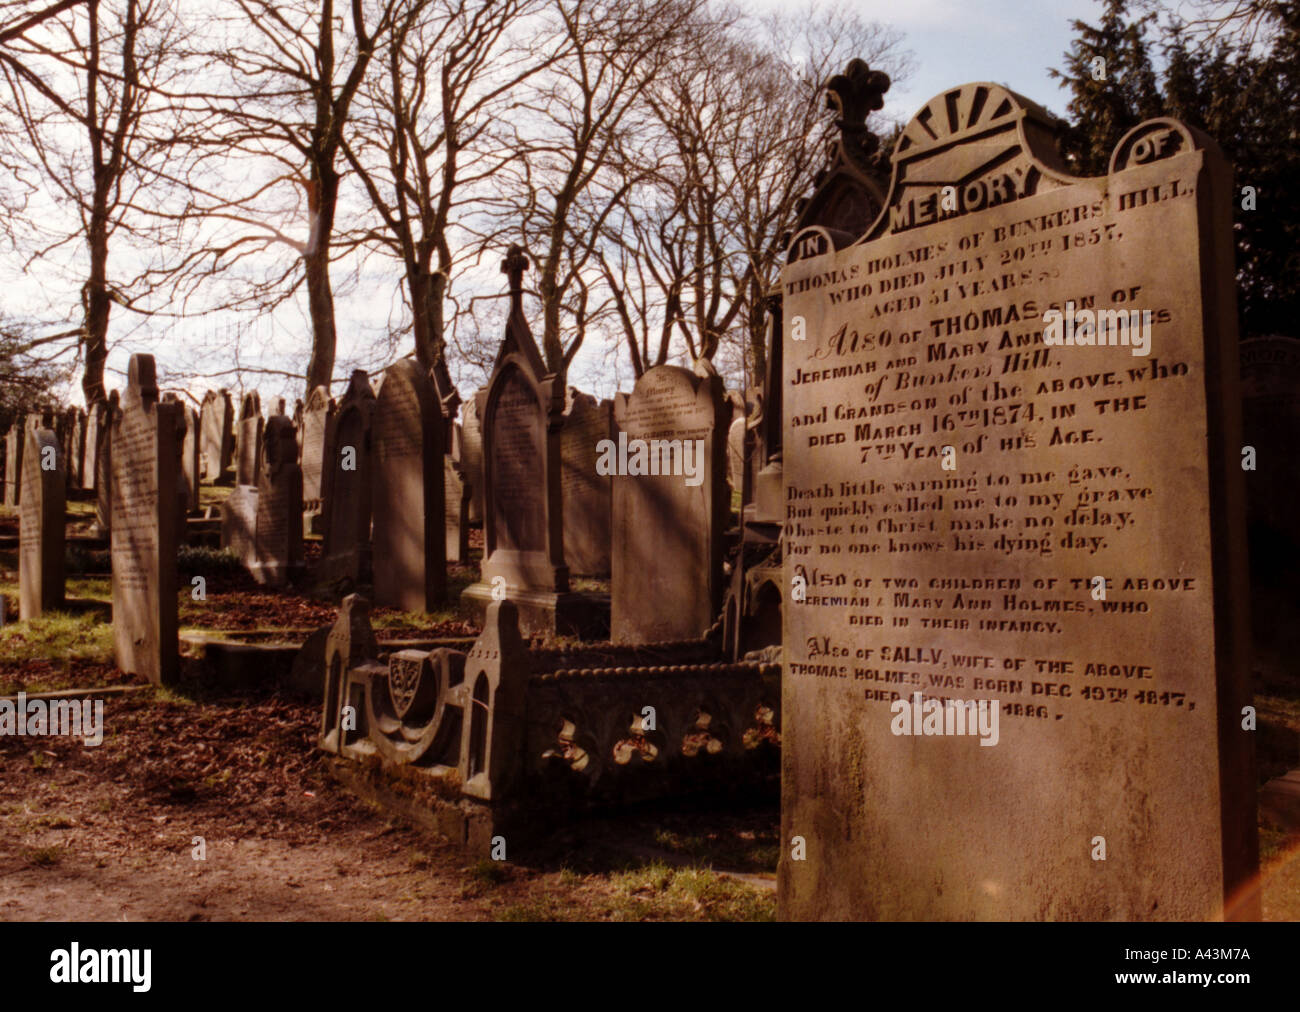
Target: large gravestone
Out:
[143,461]
[670,505]
[1051,533]
[239,524]
[217,441]
[586,492]
[455,493]
[406,440]
[346,487]
[277,537]
[41,524]
[15,443]
[523,535]
[248,441]
[471,457]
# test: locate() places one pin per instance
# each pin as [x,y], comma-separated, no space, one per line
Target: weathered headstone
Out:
[239,524]
[316,420]
[456,499]
[406,440]
[96,426]
[1002,493]
[586,492]
[190,459]
[248,442]
[670,505]
[74,446]
[346,486]
[216,422]
[41,525]
[278,529]
[144,454]
[471,457]
[108,412]
[15,443]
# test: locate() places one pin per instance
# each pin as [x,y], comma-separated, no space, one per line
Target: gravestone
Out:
[406,441]
[96,426]
[523,528]
[190,462]
[1045,532]
[41,525]
[316,419]
[278,526]
[456,500]
[740,447]
[670,505]
[585,492]
[217,443]
[346,487]
[143,461]
[239,524]
[73,448]
[15,442]
[104,465]
[471,457]
[248,442]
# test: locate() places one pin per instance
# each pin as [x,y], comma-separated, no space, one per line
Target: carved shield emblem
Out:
[404,671]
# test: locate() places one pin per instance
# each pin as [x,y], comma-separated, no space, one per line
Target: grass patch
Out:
[197,559]
[58,635]
[43,857]
[658,892]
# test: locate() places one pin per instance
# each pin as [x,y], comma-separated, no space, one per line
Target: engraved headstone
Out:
[670,505]
[74,447]
[239,524]
[143,459]
[216,422]
[586,492]
[109,411]
[406,440]
[316,419]
[278,528]
[1014,649]
[346,486]
[41,525]
[96,426]
[248,441]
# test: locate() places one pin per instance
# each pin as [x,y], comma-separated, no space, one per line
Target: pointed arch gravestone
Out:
[1015,638]
[523,528]
[409,529]
[317,416]
[41,530]
[144,519]
[277,531]
[248,443]
[346,487]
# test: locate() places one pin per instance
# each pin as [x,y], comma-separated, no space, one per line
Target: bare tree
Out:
[88,129]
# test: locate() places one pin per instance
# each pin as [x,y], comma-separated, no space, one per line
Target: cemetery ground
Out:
[108,832]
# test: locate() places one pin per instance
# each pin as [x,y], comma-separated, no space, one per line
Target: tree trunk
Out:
[96,306]
[320,294]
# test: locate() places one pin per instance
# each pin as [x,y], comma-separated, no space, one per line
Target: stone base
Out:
[545,613]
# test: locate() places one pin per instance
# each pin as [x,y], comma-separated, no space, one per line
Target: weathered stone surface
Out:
[107,413]
[41,525]
[216,420]
[585,492]
[407,440]
[277,535]
[74,445]
[96,426]
[317,417]
[347,486]
[144,454]
[456,502]
[248,442]
[471,459]
[190,462]
[1072,563]
[670,505]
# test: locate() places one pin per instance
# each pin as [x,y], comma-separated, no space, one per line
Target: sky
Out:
[1011,42]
